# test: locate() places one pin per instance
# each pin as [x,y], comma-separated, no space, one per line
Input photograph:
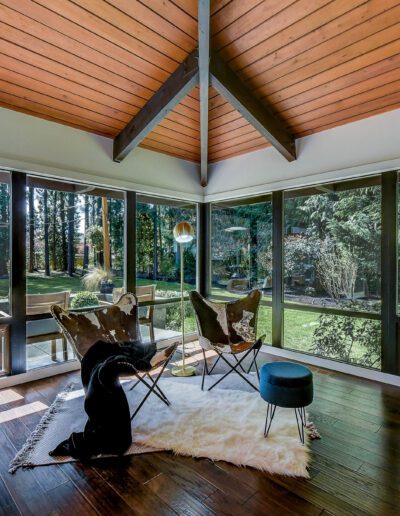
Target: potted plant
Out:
[98,279]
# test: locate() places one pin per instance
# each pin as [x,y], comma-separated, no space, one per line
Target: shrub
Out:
[83,299]
[95,236]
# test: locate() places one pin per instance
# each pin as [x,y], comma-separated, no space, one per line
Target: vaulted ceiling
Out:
[94,64]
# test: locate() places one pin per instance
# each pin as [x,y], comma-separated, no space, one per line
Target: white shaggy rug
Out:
[226,423]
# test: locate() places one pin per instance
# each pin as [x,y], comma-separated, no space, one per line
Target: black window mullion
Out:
[18,273]
[390,353]
[203,248]
[130,242]
[277,269]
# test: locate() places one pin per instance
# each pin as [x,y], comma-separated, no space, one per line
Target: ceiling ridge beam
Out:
[260,116]
[174,89]
[204,82]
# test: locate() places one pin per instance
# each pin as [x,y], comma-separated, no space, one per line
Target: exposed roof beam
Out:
[230,86]
[175,88]
[204,79]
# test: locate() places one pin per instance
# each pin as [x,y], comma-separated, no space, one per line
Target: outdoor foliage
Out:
[83,299]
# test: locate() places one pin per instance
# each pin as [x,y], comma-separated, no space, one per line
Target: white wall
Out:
[357,148]
[35,145]
[32,144]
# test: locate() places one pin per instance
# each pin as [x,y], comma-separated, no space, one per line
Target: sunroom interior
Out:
[272,128]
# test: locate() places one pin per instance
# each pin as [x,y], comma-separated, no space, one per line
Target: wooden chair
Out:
[46,329]
[144,294]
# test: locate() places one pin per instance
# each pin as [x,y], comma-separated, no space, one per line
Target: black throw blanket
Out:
[108,429]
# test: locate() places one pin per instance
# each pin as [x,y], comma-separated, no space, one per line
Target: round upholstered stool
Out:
[283,384]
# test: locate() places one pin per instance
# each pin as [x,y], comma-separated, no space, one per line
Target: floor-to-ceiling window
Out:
[241,253]
[158,265]
[332,271]
[5,308]
[75,258]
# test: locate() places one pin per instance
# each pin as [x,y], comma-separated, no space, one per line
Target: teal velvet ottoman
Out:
[284,384]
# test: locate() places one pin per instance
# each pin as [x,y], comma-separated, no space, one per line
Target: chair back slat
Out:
[41,303]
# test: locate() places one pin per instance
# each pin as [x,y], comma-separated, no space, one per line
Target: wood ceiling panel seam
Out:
[352,100]
[233,142]
[51,119]
[248,23]
[230,117]
[239,153]
[173,142]
[341,83]
[65,71]
[390,99]
[67,119]
[155,22]
[87,53]
[72,61]
[361,116]
[89,38]
[241,131]
[118,38]
[288,14]
[147,142]
[169,152]
[342,94]
[47,89]
[33,71]
[223,110]
[342,55]
[272,47]
[293,62]
[43,100]
[238,124]
[229,13]
[217,5]
[168,9]
[343,69]
[176,135]
[178,124]
[247,146]
[188,6]
[155,51]
[190,115]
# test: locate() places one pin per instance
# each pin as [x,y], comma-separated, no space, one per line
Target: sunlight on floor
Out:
[15,413]
[8,396]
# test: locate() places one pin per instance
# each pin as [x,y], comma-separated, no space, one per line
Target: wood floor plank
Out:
[354,468]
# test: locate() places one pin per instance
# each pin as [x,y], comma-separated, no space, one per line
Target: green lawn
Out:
[299,325]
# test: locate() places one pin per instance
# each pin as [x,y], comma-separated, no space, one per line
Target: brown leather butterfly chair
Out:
[228,328]
[112,323]
[144,293]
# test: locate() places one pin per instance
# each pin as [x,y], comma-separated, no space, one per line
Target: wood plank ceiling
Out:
[93,64]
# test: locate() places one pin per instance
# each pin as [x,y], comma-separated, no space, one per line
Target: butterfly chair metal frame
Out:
[238,316]
[233,367]
[153,386]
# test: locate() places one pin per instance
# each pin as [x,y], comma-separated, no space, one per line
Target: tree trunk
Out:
[64,246]
[155,254]
[106,235]
[71,234]
[85,245]
[54,233]
[31,210]
[46,234]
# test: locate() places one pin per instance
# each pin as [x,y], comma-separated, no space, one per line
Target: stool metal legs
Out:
[301,420]
[268,420]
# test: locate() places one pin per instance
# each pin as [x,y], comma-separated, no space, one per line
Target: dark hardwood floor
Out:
[355,467]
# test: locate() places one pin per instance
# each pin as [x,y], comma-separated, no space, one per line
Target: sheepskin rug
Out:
[223,424]
[226,423]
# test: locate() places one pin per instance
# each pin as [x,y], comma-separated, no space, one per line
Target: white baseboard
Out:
[38,374]
[369,374]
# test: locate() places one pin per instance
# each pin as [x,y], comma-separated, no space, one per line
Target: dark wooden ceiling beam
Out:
[175,88]
[204,81]
[231,87]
